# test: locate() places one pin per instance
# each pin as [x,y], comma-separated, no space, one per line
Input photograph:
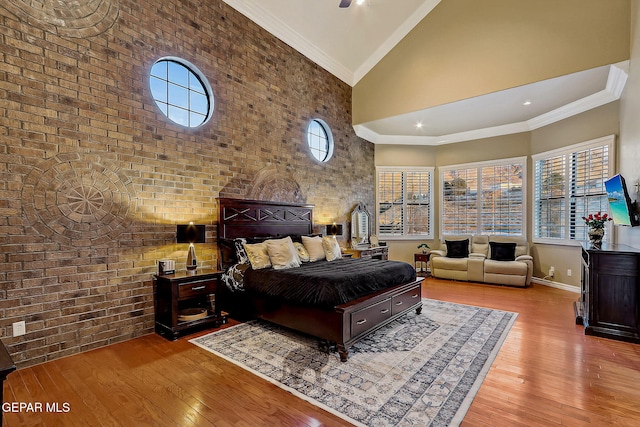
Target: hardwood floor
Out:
[547,373]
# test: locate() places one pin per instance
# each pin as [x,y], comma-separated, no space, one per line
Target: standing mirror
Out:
[360,223]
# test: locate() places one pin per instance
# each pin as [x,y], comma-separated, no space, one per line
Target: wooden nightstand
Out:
[423,259]
[182,291]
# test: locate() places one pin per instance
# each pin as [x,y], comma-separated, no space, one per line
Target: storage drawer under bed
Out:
[405,300]
[369,317]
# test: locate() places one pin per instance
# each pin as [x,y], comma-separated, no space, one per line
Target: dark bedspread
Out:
[327,284]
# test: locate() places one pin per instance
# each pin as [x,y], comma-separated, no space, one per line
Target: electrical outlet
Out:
[19,329]
[552,271]
[569,273]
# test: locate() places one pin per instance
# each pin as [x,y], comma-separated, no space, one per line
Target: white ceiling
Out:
[349,42]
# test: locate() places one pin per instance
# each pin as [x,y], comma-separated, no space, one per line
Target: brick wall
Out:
[94,178]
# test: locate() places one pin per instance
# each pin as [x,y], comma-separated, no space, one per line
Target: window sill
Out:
[557,242]
[404,238]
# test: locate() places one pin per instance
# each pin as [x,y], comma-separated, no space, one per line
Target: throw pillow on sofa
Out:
[457,248]
[503,251]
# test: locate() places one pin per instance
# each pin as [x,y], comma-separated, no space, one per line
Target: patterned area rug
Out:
[420,370]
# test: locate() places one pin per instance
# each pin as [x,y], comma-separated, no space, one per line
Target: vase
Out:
[595,236]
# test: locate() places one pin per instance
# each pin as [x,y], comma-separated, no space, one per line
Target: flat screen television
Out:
[620,207]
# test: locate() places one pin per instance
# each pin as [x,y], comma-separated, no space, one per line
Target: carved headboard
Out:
[257,219]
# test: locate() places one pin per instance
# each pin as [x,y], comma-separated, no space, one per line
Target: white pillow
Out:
[282,253]
[302,252]
[258,255]
[313,245]
[331,248]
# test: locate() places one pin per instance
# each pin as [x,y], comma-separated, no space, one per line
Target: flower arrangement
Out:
[597,221]
[424,247]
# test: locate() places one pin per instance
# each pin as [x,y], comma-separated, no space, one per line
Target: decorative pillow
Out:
[258,255]
[233,277]
[313,245]
[241,254]
[331,248]
[457,248]
[282,253]
[302,252]
[503,251]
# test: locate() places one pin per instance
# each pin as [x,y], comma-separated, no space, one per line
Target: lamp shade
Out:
[190,233]
[334,229]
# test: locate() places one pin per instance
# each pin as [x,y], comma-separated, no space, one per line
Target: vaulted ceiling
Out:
[379,45]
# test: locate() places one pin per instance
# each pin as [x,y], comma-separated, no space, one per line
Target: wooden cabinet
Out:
[610,302]
[377,252]
[182,292]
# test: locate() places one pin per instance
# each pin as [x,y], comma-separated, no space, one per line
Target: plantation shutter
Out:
[391,201]
[460,201]
[418,200]
[589,171]
[569,184]
[502,200]
[405,202]
[550,198]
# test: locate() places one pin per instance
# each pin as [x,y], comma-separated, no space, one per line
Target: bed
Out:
[338,323]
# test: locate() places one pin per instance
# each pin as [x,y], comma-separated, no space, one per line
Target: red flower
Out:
[597,221]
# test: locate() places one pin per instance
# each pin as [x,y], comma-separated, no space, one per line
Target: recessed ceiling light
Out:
[527,102]
[419,125]
[359,2]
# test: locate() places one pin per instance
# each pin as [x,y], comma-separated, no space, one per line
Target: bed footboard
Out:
[347,323]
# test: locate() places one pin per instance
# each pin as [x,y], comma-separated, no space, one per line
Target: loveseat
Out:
[498,260]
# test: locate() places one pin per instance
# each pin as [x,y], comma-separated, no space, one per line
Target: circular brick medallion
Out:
[72,18]
[78,202]
[269,184]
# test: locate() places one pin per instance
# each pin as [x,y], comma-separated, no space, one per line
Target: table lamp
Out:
[191,234]
[334,229]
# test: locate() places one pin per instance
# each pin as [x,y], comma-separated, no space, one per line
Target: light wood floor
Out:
[547,373]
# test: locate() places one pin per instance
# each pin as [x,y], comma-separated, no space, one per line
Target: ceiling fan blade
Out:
[345,3]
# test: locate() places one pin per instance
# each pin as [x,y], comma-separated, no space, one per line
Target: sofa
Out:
[499,260]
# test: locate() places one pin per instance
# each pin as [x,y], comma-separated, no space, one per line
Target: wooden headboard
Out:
[259,219]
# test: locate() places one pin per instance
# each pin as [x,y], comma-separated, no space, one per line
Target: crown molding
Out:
[616,80]
[274,25]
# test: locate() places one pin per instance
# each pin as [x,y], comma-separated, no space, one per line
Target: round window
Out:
[181,92]
[320,140]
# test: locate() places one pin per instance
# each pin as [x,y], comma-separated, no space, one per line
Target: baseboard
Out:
[556,285]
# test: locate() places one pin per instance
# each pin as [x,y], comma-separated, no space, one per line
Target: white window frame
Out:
[567,152]
[404,236]
[328,138]
[202,79]
[479,165]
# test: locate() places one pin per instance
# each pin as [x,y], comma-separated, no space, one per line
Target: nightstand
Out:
[423,259]
[187,292]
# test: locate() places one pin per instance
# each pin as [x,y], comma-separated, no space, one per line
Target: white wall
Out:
[629,148]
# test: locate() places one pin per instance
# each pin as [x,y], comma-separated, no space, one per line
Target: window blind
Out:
[549,221]
[484,198]
[460,201]
[569,184]
[405,202]
[390,200]
[588,194]
[418,203]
